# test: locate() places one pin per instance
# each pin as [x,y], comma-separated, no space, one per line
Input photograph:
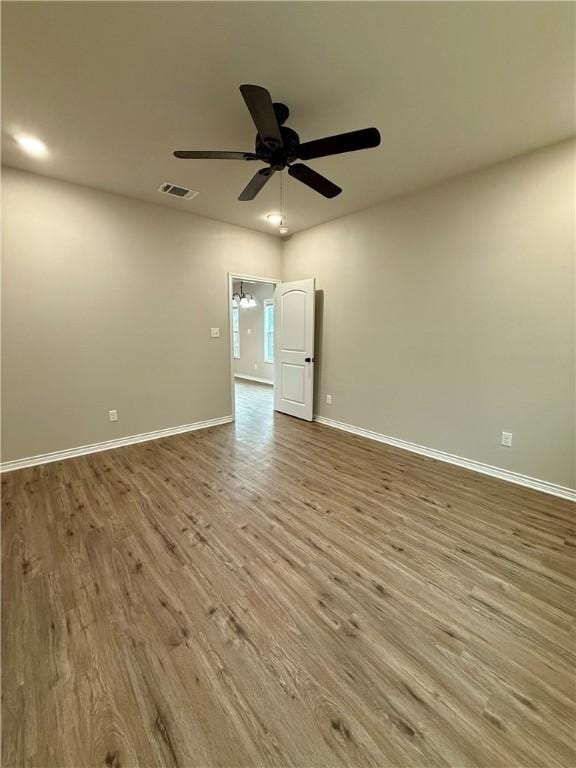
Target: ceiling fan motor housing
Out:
[280,157]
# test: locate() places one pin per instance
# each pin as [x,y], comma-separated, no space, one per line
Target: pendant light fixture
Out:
[243,300]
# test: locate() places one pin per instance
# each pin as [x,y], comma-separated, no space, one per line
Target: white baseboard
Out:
[107,445]
[475,466]
[253,378]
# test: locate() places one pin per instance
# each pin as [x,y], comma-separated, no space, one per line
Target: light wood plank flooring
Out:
[277,593]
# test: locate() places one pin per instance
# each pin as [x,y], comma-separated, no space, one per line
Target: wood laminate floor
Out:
[277,593]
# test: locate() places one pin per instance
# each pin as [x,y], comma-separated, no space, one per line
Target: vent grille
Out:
[177,191]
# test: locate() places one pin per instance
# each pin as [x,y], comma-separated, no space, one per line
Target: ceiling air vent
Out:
[177,191]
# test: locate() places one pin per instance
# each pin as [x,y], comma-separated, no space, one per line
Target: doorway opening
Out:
[252,337]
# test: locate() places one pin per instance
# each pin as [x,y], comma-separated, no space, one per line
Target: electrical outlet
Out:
[215,333]
[506,439]
[113,415]
[255,366]
[328,399]
[249,331]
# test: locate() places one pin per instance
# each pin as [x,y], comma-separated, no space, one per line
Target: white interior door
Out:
[294,348]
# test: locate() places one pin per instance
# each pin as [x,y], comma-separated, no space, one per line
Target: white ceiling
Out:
[114,87]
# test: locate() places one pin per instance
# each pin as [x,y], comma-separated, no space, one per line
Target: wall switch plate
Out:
[249,331]
[329,399]
[215,333]
[113,415]
[506,439]
[255,366]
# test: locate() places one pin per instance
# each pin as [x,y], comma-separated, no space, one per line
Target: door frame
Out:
[232,276]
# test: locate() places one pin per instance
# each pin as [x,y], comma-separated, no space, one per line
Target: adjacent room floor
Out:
[278,593]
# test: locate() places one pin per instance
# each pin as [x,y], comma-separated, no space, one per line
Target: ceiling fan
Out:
[280,146]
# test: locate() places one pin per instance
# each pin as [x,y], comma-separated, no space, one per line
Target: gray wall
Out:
[251,361]
[448,316]
[445,316]
[108,303]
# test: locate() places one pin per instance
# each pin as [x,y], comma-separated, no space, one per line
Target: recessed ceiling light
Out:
[31,145]
[283,230]
[274,218]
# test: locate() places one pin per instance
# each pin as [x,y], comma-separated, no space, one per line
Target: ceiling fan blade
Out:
[191,154]
[343,142]
[256,183]
[259,103]
[314,180]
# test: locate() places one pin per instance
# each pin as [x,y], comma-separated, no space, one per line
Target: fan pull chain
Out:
[283,223]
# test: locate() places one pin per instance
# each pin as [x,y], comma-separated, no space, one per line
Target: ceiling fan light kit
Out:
[280,147]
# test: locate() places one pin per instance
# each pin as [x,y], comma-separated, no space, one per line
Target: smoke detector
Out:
[177,191]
